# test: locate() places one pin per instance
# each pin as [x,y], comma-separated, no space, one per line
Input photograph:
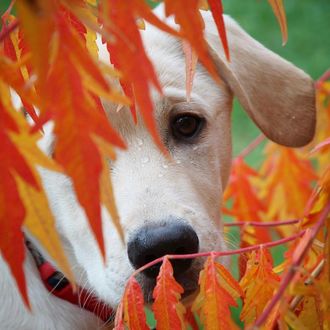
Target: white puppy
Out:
[167,206]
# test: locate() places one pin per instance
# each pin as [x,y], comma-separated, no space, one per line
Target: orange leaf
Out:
[191,23]
[127,55]
[169,312]
[34,18]
[287,183]
[247,206]
[133,306]
[323,122]
[11,50]
[12,211]
[119,322]
[217,12]
[190,319]
[214,298]
[258,283]
[318,200]
[78,118]
[191,63]
[278,9]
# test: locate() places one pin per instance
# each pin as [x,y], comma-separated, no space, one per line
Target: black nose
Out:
[154,241]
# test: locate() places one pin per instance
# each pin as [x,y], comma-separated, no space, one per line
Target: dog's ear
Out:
[278,96]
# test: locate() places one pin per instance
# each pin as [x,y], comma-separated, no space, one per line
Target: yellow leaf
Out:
[40,223]
[294,322]
[108,198]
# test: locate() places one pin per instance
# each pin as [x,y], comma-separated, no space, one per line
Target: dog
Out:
[171,204]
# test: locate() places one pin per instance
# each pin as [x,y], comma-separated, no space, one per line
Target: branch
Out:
[247,150]
[315,273]
[262,224]
[220,253]
[292,270]
[8,29]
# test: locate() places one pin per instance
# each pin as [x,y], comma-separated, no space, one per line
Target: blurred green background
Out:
[308,47]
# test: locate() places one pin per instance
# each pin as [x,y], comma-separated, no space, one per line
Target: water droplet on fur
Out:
[195,148]
[140,142]
[178,161]
[145,160]
[160,175]
[165,166]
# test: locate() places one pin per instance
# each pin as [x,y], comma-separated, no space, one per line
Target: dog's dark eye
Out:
[186,126]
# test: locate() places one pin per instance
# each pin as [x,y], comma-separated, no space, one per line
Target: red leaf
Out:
[217,12]
[134,315]
[128,55]
[10,52]
[218,291]
[12,211]
[259,283]
[191,23]
[119,322]
[277,6]
[247,206]
[169,312]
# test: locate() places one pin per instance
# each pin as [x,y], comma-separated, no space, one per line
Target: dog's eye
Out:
[186,126]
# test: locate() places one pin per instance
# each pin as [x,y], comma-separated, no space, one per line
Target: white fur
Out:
[148,187]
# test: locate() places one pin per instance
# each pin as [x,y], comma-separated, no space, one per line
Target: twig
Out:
[262,224]
[315,273]
[220,253]
[292,270]
[247,150]
[8,29]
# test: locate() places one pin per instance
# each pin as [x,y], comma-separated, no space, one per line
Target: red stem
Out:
[247,150]
[220,253]
[292,270]
[262,224]
[8,29]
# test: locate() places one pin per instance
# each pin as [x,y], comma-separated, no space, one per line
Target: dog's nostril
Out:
[154,241]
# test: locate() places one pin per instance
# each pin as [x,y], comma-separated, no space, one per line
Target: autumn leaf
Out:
[191,63]
[318,200]
[278,9]
[323,123]
[287,182]
[11,51]
[259,284]
[39,220]
[119,322]
[246,205]
[75,124]
[133,304]
[71,102]
[19,156]
[168,310]
[190,319]
[39,43]
[218,291]
[128,55]
[217,13]
[188,17]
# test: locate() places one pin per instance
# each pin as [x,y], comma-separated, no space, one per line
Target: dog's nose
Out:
[154,241]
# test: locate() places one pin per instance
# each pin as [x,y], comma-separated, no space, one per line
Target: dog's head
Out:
[172,205]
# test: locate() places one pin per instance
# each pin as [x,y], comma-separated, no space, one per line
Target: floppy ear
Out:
[278,96]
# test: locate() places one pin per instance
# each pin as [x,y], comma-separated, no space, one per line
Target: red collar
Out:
[60,287]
